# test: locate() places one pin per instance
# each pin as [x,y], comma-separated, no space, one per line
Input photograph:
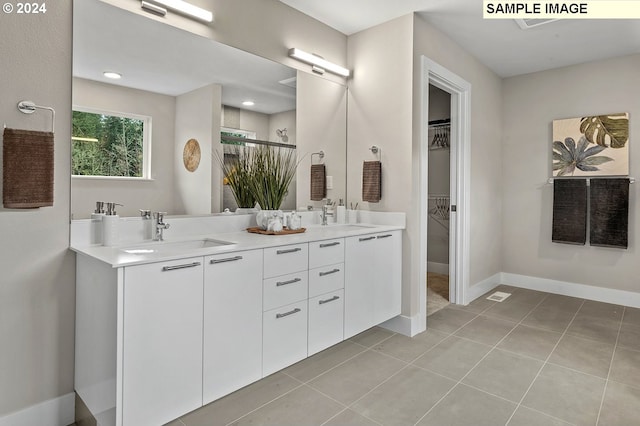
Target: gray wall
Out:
[37,291]
[531,103]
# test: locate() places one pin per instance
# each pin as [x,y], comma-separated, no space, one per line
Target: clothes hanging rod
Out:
[631,179]
[254,141]
[435,122]
[28,107]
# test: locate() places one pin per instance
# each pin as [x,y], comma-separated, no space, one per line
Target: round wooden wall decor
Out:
[191,155]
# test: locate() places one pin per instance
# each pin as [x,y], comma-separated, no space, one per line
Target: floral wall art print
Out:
[597,145]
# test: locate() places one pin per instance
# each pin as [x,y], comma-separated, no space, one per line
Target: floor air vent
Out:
[498,296]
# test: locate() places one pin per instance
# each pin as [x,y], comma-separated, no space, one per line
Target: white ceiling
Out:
[499,44]
[152,56]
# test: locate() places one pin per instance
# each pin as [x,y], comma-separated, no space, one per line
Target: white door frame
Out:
[459,223]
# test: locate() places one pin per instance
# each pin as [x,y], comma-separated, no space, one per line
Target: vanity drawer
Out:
[285,337]
[326,321]
[285,259]
[285,289]
[325,279]
[326,252]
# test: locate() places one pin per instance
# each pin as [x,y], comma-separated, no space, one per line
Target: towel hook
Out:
[319,154]
[28,107]
[376,150]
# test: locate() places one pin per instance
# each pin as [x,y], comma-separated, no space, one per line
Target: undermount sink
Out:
[173,246]
[345,227]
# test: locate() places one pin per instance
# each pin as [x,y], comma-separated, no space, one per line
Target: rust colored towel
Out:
[27,165]
[569,211]
[372,181]
[609,199]
[318,182]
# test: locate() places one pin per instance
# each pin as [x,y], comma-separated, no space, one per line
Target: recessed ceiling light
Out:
[113,75]
[248,103]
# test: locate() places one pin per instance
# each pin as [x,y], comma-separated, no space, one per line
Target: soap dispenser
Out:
[96,223]
[110,225]
[341,212]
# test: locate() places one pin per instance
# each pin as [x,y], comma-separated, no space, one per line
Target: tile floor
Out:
[534,359]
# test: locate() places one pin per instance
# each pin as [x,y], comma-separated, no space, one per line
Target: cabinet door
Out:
[359,279]
[326,321]
[232,322]
[388,283]
[162,341]
[285,337]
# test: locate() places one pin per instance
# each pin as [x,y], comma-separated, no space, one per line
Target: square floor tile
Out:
[629,337]
[465,406]
[527,297]
[321,362]
[449,319]
[549,318]
[585,355]
[561,302]
[527,417]
[350,418]
[594,328]
[486,330]
[625,367]
[631,316]
[303,406]
[566,394]
[530,341]
[405,398]
[354,378]
[372,336]
[453,357]
[504,374]
[621,405]
[602,310]
[513,311]
[479,305]
[410,348]
[242,401]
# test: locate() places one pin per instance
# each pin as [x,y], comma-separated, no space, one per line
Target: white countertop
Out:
[169,249]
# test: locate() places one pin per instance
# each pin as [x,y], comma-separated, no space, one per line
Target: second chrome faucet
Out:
[159,226]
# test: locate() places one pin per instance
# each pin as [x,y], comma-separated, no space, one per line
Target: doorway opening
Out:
[439,199]
[453,212]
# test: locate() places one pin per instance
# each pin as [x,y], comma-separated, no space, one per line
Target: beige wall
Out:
[37,294]
[531,103]
[485,232]
[156,195]
[37,290]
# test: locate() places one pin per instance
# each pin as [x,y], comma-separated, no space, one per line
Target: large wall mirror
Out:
[146,140]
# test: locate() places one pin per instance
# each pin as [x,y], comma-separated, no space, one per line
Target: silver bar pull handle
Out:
[333,271]
[293,250]
[322,302]
[384,236]
[185,266]
[286,314]
[335,243]
[228,259]
[367,238]
[281,283]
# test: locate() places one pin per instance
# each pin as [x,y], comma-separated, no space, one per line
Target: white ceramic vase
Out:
[264,216]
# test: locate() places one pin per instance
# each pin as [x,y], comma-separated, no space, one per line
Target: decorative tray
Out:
[285,231]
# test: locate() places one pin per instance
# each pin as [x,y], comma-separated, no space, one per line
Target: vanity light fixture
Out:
[112,75]
[180,6]
[319,63]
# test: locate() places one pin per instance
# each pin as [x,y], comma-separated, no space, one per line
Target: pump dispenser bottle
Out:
[110,225]
[96,223]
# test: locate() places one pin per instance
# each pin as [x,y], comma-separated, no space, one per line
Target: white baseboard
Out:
[480,288]
[54,412]
[438,268]
[409,326]
[583,291]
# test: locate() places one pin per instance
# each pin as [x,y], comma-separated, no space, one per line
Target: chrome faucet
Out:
[159,226]
[325,210]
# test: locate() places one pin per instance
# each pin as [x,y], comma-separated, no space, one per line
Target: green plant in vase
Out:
[237,170]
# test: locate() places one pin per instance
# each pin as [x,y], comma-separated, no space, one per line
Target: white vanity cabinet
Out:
[162,341]
[326,294]
[284,320]
[232,322]
[373,280]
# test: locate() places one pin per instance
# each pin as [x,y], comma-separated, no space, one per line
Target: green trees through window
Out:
[107,145]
